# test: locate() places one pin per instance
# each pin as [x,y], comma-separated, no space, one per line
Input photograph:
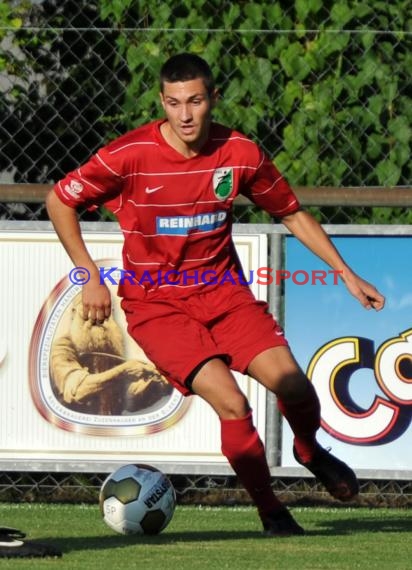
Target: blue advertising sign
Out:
[359,361]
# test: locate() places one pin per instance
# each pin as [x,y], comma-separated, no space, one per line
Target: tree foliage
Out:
[324,86]
[64,95]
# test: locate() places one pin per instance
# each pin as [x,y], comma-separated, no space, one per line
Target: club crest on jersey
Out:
[223,182]
[74,188]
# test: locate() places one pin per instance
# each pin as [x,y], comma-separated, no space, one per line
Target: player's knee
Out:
[235,407]
[291,387]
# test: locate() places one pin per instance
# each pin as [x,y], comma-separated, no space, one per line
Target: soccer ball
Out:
[137,499]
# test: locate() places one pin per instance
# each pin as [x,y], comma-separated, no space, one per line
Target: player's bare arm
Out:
[303,226]
[96,297]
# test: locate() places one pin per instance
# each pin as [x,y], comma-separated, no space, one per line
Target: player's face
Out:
[188,107]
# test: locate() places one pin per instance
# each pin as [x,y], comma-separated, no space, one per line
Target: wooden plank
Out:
[400,196]
[355,196]
[29,193]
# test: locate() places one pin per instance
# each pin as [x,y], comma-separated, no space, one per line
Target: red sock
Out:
[304,419]
[244,450]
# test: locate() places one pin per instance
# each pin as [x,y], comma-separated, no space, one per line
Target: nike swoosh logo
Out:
[150,190]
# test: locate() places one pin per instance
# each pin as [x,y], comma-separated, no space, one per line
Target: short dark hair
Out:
[184,67]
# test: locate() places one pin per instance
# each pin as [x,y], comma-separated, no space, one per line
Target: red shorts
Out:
[178,335]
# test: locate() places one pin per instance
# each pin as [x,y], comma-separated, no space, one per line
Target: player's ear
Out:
[162,100]
[214,98]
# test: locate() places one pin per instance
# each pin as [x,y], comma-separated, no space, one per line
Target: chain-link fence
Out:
[198,489]
[324,87]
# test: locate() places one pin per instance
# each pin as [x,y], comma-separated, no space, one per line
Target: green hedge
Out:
[322,85]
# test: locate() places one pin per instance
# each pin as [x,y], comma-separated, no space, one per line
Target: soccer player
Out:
[171,184]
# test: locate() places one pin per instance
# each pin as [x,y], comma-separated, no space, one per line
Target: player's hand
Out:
[96,300]
[367,294]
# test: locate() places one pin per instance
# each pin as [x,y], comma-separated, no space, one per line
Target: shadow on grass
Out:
[70,544]
[328,527]
[366,525]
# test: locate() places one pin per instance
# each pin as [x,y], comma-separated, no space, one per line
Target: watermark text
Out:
[261,276]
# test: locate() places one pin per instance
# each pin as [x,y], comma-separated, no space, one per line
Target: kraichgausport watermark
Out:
[260,276]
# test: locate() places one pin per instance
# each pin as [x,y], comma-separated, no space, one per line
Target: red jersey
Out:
[175,212]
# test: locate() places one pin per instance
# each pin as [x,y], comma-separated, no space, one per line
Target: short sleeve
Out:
[96,182]
[270,191]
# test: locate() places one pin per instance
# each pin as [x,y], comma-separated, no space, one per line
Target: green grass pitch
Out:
[218,538]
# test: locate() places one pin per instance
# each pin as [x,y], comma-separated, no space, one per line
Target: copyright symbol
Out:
[79,275]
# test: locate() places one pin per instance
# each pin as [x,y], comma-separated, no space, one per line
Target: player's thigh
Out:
[215,383]
[277,369]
